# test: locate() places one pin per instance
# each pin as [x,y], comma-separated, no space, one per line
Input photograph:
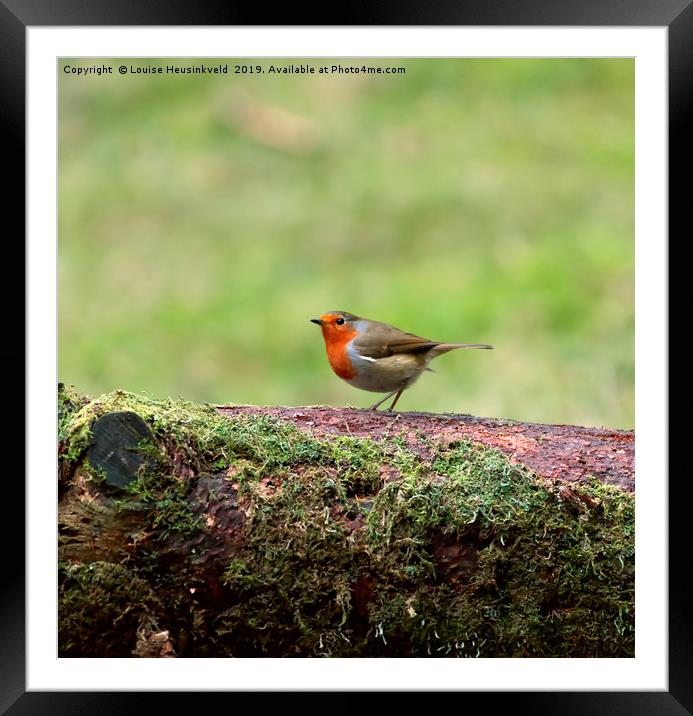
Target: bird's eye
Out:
[340,321]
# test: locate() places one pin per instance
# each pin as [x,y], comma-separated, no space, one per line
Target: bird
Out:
[376,356]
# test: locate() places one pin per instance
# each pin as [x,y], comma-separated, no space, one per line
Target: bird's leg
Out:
[380,402]
[392,407]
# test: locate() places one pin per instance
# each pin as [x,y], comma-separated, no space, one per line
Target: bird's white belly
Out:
[382,375]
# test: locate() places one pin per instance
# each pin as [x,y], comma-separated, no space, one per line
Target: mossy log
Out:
[197,530]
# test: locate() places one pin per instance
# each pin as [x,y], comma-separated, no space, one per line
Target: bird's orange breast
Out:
[336,346]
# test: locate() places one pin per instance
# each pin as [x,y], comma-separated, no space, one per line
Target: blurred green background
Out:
[203,219]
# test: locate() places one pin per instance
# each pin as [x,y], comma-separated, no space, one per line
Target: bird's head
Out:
[337,325]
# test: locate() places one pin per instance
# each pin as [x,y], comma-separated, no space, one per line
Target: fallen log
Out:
[194,530]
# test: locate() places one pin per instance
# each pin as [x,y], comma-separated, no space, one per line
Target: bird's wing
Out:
[384,340]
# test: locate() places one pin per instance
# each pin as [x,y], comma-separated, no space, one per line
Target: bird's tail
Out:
[445,347]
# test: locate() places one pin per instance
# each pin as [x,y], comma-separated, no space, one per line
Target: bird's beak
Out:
[316,320]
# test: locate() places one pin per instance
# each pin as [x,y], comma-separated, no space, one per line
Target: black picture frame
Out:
[676,15]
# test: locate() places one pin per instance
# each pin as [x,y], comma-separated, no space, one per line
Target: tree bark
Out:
[242,531]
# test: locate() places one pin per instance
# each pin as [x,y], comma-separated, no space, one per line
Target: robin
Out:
[376,356]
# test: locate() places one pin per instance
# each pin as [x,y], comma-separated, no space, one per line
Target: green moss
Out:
[97,604]
[69,402]
[296,565]
[471,556]
[199,431]
[536,574]
[175,419]
[353,547]
[163,494]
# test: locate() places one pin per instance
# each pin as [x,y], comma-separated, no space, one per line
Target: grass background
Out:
[203,219]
